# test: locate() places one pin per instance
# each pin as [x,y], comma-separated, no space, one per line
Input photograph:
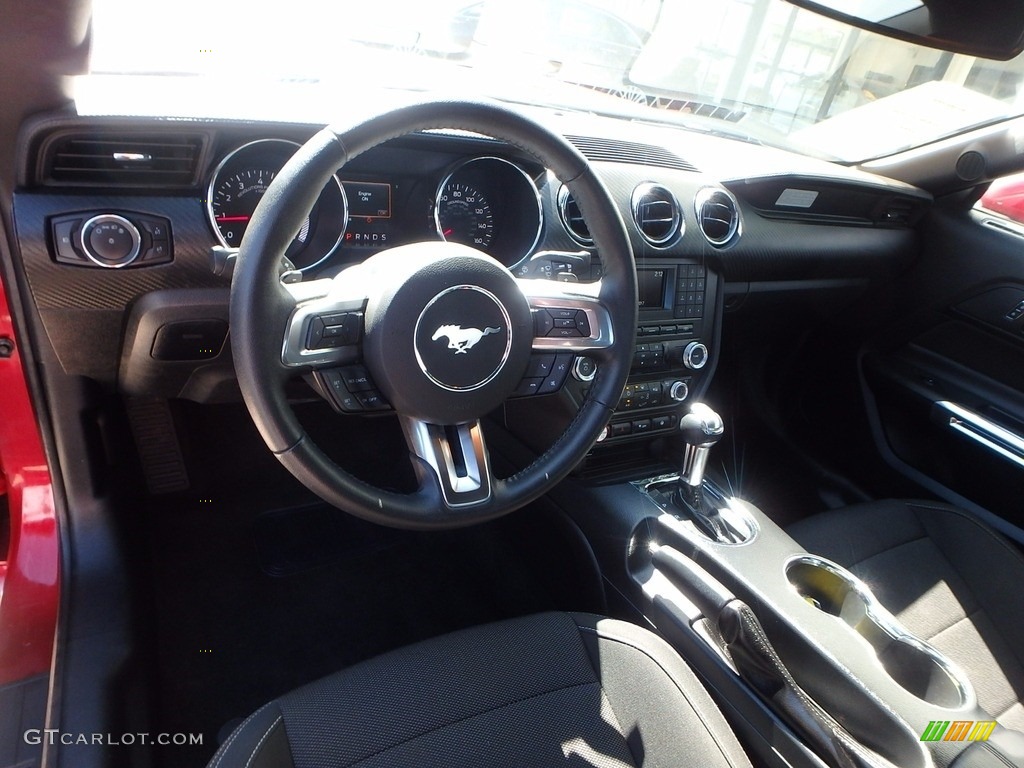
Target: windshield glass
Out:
[761,70]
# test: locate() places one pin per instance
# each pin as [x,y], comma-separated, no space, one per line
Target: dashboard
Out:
[126,226]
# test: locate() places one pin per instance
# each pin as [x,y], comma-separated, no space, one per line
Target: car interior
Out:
[443,429]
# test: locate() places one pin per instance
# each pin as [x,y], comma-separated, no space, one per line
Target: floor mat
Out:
[246,616]
[290,541]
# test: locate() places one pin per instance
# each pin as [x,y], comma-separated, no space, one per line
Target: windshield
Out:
[761,70]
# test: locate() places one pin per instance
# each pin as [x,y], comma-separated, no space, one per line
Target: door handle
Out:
[985,432]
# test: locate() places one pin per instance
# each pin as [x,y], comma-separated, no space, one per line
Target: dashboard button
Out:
[620,429]
[661,422]
[641,425]
[64,244]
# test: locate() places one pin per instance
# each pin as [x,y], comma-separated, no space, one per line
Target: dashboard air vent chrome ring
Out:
[657,214]
[718,215]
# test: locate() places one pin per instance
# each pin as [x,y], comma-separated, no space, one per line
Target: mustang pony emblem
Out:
[462,339]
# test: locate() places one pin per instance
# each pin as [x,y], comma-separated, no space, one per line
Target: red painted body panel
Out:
[29,570]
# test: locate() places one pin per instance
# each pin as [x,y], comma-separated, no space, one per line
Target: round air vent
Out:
[572,219]
[718,215]
[657,214]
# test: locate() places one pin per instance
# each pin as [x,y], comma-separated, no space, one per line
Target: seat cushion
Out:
[550,689]
[947,577]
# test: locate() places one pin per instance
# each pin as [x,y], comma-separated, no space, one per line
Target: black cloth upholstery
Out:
[544,690]
[947,577]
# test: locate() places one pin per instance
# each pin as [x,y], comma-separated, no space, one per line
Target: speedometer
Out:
[490,204]
[239,184]
[464,216]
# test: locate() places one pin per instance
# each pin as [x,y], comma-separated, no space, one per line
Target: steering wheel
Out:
[444,332]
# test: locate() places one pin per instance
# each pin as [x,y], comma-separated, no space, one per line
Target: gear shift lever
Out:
[701,429]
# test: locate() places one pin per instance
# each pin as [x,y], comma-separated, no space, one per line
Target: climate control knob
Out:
[695,356]
[678,391]
[110,240]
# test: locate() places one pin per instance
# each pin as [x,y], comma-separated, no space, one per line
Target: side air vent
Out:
[117,159]
[657,214]
[618,151]
[572,218]
[718,215]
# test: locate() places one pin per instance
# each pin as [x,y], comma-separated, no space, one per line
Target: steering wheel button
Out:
[371,400]
[565,322]
[542,323]
[565,333]
[356,379]
[563,314]
[540,366]
[582,323]
[528,387]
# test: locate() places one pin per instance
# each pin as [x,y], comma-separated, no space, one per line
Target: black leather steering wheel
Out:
[445,331]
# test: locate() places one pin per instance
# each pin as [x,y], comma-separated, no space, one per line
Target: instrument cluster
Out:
[487,202]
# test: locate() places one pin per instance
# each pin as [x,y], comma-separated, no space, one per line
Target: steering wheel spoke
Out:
[568,317]
[325,325]
[454,457]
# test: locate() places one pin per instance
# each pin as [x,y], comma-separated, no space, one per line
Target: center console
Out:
[805,661]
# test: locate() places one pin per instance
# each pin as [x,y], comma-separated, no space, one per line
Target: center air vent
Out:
[656,213]
[572,218]
[117,159]
[718,215]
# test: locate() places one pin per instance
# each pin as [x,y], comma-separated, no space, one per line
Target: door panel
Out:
[945,384]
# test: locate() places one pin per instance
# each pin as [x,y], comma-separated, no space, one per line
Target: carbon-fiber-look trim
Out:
[82,308]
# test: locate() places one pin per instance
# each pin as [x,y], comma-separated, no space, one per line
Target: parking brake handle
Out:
[759,665]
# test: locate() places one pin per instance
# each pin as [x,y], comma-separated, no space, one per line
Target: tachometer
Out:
[239,184]
[464,216]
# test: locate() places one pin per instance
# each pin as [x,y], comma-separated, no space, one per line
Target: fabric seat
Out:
[549,689]
[947,577]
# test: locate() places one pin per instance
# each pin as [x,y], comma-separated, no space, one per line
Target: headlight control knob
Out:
[678,391]
[695,356]
[111,241]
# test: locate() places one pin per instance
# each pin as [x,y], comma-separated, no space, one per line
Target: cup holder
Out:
[916,666]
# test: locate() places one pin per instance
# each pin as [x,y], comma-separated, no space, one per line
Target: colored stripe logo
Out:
[958,730]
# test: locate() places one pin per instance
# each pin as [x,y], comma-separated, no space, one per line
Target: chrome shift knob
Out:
[701,428]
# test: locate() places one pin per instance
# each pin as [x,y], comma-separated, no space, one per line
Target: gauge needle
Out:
[232,218]
[447,232]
